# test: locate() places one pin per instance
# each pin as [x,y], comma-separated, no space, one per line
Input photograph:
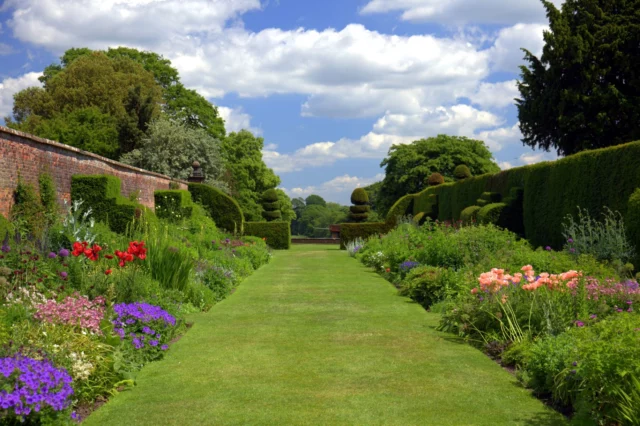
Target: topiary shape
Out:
[271,205]
[359,212]
[461,172]
[435,179]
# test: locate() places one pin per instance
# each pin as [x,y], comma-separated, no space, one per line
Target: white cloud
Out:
[10,86]
[506,53]
[391,129]
[496,95]
[235,119]
[537,157]
[462,11]
[505,165]
[5,49]
[497,139]
[335,189]
[61,24]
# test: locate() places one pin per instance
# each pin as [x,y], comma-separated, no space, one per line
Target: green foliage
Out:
[408,166]
[352,231]
[470,214]
[435,179]
[359,209]
[428,285]
[101,193]
[490,197]
[461,172]
[286,208]
[223,209]
[359,197]
[173,205]
[171,147]
[315,219]
[570,106]
[401,208]
[632,219]
[271,205]
[28,214]
[6,228]
[169,264]
[492,213]
[277,234]
[588,366]
[48,196]
[247,174]
[94,102]
[605,240]
[313,199]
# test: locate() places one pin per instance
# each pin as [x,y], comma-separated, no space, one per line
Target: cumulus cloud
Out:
[537,157]
[497,139]
[10,86]
[506,53]
[235,119]
[5,49]
[495,95]
[336,189]
[462,11]
[462,120]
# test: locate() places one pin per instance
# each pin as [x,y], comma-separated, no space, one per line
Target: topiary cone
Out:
[271,205]
[359,212]
[435,179]
[461,172]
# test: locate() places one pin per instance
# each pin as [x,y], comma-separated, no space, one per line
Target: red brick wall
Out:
[28,155]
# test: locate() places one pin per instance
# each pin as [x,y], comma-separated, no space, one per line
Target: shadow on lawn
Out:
[544,419]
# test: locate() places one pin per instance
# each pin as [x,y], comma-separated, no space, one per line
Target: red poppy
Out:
[107,272]
[124,257]
[108,256]
[92,253]
[78,248]
[137,249]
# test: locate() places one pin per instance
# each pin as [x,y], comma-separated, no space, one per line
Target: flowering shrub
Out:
[149,328]
[407,266]
[73,311]
[32,388]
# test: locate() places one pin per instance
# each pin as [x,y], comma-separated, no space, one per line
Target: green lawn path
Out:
[314,338]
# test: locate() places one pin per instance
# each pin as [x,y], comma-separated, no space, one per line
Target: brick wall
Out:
[28,156]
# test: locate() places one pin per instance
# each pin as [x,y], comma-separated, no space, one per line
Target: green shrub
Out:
[223,209]
[6,228]
[586,366]
[435,179]
[632,220]
[461,172]
[352,231]
[102,194]
[359,209]
[491,197]
[48,197]
[401,208]
[419,218]
[277,234]
[428,284]
[271,205]
[470,214]
[168,263]
[359,197]
[173,205]
[491,213]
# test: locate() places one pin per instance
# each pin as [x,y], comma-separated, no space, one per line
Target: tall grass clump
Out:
[168,264]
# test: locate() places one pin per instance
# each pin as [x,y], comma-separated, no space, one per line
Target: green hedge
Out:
[102,194]
[470,214]
[549,192]
[278,234]
[491,213]
[173,204]
[632,219]
[402,207]
[223,209]
[351,231]
[359,209]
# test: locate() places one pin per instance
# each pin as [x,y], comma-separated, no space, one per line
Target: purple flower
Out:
[63,252]
[575,363]
[573,371]
[153,343]
[52,255]
[572,250]
[408,265]
[570,240]
[5,248]
[629,302]
[547,248]
[164,347]
[593,316]
[579,324]
[74,416]
[64,275]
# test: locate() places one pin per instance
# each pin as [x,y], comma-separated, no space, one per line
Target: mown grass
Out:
[316,339]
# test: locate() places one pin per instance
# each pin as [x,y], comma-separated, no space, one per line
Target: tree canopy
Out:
[584,91]
[171,147]
[247,174]
[407,167]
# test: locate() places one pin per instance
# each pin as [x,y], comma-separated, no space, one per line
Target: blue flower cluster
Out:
[135,319]
[408,265]
[34,384]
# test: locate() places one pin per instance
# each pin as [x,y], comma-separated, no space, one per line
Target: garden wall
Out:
[552,190]
[28,156]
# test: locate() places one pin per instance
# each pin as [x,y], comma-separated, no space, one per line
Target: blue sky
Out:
[330,84]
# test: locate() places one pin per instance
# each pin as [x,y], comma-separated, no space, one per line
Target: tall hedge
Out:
[277,234]
[173,204]
[351,231]
[223,209]
[102,194]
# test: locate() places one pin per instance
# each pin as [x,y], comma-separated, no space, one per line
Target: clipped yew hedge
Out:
[351,231]
[173,204]
[546,192]
[277,234]
[102,194]
[223,209]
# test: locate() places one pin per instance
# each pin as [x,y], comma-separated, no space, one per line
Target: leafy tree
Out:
[93,102]
[317,218]
[584,91]
[373,191]
[315,200]
[247,174]
[408,166]
[171,148]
